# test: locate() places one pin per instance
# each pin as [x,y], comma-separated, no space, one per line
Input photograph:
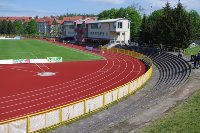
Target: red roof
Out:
[24,19]
[40,20]
[45,20]
[51,20]
[71,18]
[3,18]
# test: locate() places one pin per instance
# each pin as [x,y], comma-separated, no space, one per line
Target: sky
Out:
[58,7]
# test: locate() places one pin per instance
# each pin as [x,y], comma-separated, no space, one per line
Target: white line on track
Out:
[64,103]
[87,89]
[53,90]
[55,95]
[42,89]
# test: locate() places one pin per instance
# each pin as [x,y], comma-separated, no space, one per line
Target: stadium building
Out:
[96,31]
[115,30]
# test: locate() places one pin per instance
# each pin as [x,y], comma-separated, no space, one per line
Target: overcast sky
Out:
[57,7]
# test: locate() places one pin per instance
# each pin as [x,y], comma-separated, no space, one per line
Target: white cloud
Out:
[108,1]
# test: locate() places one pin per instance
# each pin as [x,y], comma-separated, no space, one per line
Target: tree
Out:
[108,14]
[10,28]
[155,26]
[4,29]
[32,27]
[18,27]
[170,26]
[144,33]
[0,27]
[167,26]
[183,29]
[195,20]
[25,26]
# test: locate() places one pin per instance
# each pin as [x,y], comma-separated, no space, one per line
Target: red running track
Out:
[23,92]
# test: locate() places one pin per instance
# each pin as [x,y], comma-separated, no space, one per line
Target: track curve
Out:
[24,93]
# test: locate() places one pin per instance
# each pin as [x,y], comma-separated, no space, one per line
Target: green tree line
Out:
[74,14]
[18,27]
[173,27]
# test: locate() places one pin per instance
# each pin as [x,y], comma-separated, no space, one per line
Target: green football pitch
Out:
[37,49]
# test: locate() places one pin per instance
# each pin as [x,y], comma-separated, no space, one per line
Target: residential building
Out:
[68,26]
[49,26]
[81,28]
[117,30]
[43,26]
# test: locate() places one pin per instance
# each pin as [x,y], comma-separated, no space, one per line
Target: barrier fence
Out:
[60,115]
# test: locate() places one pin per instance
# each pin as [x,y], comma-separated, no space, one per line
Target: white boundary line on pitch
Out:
[36,63]
[42,63]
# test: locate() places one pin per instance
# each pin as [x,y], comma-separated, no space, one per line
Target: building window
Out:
[106,33]
[123,33]
[70,33]
[101,33]
[71,27]
[119,25]
[114,25]
[118,33]
[94,26]
[99,25]
[128,25]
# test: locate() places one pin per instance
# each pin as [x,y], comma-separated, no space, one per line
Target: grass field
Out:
[185,118]
[36,49]
[192,51]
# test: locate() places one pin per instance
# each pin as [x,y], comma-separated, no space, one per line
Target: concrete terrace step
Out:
[169,73]
[174,71]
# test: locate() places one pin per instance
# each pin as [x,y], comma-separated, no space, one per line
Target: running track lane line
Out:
[140,67]
[56,89]
[49,87]
[42,89]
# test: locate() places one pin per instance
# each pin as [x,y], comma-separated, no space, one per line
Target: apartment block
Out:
[117,30]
